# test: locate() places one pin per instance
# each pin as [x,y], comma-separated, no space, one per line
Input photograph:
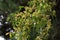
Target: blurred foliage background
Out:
[31,19]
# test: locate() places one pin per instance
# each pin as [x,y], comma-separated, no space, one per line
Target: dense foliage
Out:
[34,22]
[8,6]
